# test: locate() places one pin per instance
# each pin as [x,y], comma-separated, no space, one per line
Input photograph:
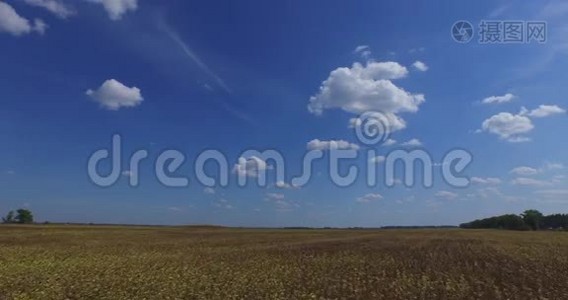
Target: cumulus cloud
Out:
[511,127]
[508,127]
[250,167]
[498,99]
[117,8]
[11,22]
[113,95]
[420,66]
[487,180]
[56,7]
[524,171]
[446,195]
[317,144]
[285,185]
[545,111]
[363,88]
[530,182]
[412,143]
[369,198]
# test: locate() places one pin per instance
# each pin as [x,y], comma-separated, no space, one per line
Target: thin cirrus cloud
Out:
[363,50]
[114,95]
[12,23]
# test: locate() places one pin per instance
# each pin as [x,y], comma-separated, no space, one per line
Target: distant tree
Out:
[9,218]
[511,222]
[24,216]
[556,221]
[533,218]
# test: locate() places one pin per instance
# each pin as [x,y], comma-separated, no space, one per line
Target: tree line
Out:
[20,216]
[529,220]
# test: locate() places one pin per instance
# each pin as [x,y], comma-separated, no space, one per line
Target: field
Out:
[104,262]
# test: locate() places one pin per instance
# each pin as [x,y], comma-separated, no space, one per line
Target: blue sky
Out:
[195,75]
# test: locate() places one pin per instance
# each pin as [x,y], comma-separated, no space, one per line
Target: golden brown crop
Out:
[104,262]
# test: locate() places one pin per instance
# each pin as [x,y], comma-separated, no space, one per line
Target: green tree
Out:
[533,218]
[9,218]
[24,216]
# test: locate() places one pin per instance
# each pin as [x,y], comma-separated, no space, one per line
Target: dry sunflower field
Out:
[106,262]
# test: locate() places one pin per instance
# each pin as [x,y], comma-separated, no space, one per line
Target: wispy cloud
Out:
[191,55]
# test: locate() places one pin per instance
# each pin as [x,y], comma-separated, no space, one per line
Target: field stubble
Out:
[104,262]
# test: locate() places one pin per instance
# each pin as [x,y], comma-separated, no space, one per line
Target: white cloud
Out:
[412,143]
[524,171]
[114,95]
[14,24]
[117,8]
[553,166]
[285,185]
[250,167]
[389,142]
[545,111]
[487,180]
[530,182]
[369,198]
[222,203]
[420,66]
[56,7]
[280,203]
[377,159]
[209,191]
[553,193]
[446,195]
[498,99]
[364,88]
[317,144]
[363,50]
[274,196]
[508,127]
[387,122]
